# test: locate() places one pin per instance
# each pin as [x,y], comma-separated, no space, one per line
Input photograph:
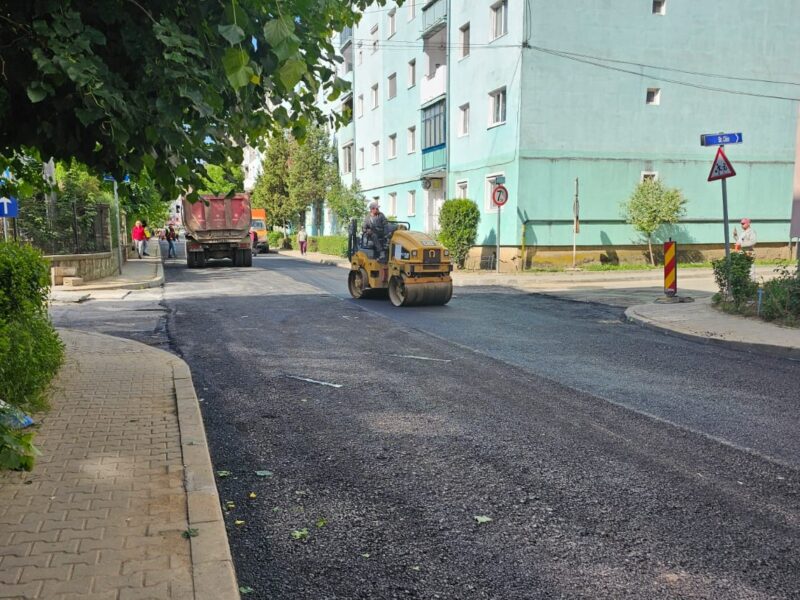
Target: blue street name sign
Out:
[720,139]
[9,207]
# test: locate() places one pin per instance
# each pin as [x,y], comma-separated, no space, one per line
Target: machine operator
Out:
[376,226]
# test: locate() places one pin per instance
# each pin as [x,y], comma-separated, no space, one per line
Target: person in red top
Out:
[138,238]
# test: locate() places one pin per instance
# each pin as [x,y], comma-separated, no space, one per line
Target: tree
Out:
[163,85]
[458,227]
[346,202]
[271,191]
[221,180]
[311,171]
[652,205]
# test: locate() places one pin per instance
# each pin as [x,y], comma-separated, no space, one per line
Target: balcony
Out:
[434,159]
[345,37]
[433,86]
[434,17]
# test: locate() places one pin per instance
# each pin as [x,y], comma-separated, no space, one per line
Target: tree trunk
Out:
[650,245]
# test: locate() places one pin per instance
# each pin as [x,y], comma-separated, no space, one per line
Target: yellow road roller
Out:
[416,271]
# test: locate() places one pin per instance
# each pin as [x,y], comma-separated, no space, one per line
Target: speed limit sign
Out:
[500,195]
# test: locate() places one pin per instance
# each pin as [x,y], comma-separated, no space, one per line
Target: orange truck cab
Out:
[258,223]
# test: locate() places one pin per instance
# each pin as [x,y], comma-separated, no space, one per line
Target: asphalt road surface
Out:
[504,446]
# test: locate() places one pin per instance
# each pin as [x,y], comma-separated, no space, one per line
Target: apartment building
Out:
[451,97]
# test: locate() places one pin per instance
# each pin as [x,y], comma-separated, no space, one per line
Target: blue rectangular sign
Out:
[9,207]
[720,139]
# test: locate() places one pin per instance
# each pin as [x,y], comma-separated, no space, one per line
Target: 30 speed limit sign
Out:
[500,195]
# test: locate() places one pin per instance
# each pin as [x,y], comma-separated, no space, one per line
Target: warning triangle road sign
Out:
[721,168]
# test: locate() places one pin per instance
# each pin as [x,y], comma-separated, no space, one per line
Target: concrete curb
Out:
[212,565]
[781,351]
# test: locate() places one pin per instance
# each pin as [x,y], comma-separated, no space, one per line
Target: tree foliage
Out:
[652,205]
[222,180]
[271,191]
[163,85]
[346,201]
[311,171]
[458,227]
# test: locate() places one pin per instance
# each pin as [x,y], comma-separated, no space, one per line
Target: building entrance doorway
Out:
[434,198]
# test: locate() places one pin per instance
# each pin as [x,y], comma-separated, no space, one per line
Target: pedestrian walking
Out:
[147,236]
[137,234]
[171,237]
[253,241]
[302,239]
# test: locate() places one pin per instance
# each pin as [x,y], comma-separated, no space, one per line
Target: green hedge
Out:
[30,350]
[275,239]
[781,300]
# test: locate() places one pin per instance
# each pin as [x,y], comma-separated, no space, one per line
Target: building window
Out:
[659,7]
[412,73]
[462,189]
[391,149]
[393,204]
[653,96]
[392,85]
[392,24]
[649,175]
[347,158]
[361,158]
[497,107]
[373,35]
[499,19]
[347,110]
[412,9]
[411,199]
[464,40]
[463,120]
[376,153]
[375,96]
[433,126]
[411,142]
[489,189]
[360,106]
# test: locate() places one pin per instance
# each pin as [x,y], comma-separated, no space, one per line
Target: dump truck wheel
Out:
[357,284]
[191,263]
[248,259]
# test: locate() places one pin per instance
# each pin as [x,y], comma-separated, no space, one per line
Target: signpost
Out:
[499,198]
[9,208]
[722,169]
[117,219]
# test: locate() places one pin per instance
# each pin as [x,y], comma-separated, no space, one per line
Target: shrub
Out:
[781,300]
[275,239]
[733,279]
[24,281]
[335,245]
[458,227]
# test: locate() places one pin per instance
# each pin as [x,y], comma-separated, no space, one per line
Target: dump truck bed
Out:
[215,218]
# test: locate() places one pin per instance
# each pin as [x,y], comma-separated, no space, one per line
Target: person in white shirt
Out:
[748,239]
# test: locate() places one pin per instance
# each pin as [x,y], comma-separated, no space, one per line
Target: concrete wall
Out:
[87,266]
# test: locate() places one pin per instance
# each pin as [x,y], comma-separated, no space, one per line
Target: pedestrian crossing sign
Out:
[722,167]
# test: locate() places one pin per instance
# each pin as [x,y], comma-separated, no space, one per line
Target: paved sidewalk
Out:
[137,274]
[636,291]
[124,472]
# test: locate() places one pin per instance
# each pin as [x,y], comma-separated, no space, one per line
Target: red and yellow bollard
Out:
[670,269]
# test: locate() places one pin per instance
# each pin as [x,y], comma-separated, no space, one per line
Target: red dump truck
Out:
[218,227]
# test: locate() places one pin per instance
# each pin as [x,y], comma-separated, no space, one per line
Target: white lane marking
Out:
[333,385]
[420,357]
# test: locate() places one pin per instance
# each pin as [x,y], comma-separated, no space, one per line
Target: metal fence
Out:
[62,227]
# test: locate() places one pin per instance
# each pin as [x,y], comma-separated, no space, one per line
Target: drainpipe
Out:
[447,102]
[522,248]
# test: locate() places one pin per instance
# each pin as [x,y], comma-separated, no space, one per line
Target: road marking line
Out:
[333,385]
[420,357]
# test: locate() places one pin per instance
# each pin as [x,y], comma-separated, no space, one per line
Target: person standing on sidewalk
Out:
[302,239]
[747,243]
[171,237]
[137,234]
[147,236]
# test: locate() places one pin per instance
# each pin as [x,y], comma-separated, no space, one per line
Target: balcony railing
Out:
[434,17]
[345,37]
[433,86]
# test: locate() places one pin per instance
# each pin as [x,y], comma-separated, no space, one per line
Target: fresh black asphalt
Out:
[534,413]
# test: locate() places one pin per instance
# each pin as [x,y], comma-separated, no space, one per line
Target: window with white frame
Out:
[659,7]
[347,158]
[392,23]
[393,204]
[491,183]
[360,106]
[651,175]
[412,73]
[411,141]
[361,158]
[392,85]
[653,96]
[373,36]
[463,42]
[376,152]
[375,96]
[499,19]
[412,9]
[463,120]
[411,201]
[497,107]
[391,148]
[462,189]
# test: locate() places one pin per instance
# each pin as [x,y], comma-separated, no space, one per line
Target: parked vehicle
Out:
[258,222]
[218,227]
